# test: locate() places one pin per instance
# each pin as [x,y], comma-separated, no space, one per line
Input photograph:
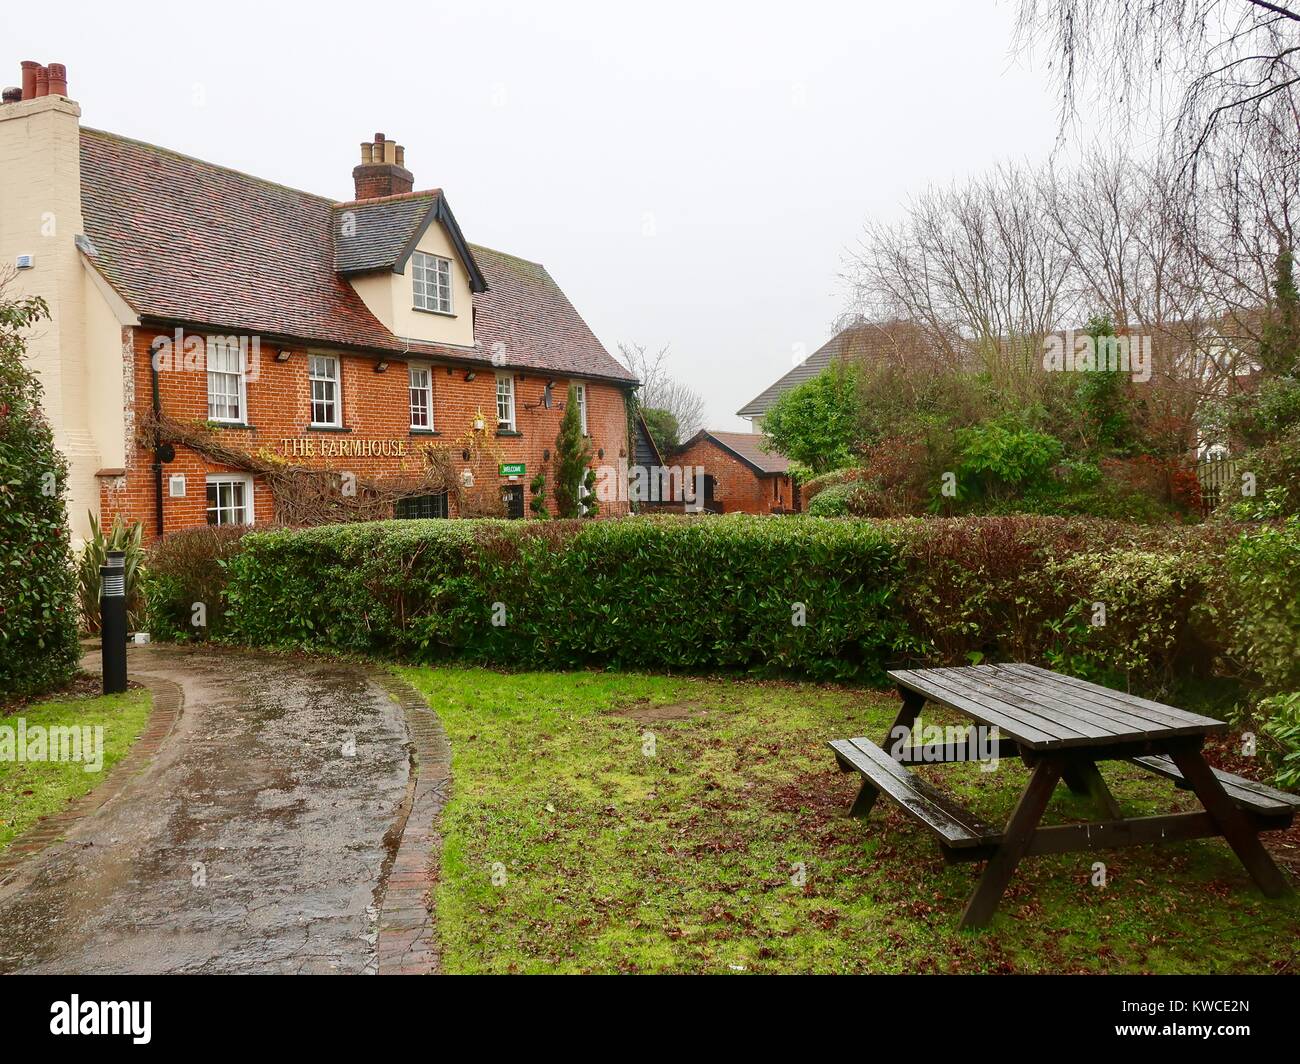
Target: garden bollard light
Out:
[112,621]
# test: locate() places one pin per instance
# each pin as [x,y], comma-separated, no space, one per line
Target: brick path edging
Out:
[407,943]
[168,702]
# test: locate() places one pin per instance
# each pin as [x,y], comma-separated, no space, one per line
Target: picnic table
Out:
[1061,728]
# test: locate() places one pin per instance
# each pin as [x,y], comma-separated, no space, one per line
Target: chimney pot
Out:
[13,94]
[383,170]
[42,81]
[30,66]
[58,79]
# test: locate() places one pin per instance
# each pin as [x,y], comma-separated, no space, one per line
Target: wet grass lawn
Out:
[575,843]
[30,790]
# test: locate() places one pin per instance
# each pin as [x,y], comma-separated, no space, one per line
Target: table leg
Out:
[907,714]
[1015,840]
[1233,823]
[1083,777]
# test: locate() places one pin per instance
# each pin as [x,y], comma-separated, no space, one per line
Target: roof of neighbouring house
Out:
[868,341]
[747,446]
[191,242]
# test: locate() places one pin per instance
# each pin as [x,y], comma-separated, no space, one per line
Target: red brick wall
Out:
[738,487]
[375,406]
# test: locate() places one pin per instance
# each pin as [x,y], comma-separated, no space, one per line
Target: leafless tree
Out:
[973,265]
[1221,64]
[660,390]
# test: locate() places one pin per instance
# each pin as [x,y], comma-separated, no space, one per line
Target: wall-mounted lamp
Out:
[546,455]
[282,355]
[600,453]
[465,454]
[470,375]
[381,366]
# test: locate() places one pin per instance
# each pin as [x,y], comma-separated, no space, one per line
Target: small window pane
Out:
[417,507]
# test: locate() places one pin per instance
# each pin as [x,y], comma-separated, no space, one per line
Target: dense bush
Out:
[709,593]
[38,606]
[810,488]
[1260,602]
[736,592]
[833,500]
[1280,715]
[1023,589]
[814,424]
[188,568]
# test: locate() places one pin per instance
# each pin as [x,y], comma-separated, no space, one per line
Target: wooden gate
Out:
[1219,480]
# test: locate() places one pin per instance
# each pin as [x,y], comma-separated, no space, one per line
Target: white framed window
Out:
[230,499]
[431,278]
[421,381]
[506,402]
[326,398]
[227,391]
[581,391]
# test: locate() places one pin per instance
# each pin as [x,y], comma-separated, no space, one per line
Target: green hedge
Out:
[652,593]
[1260,605]
[724,592]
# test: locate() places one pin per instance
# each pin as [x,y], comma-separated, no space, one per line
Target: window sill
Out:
[425,432]
[509,432]
[440,313]
[231,425]
[326,428]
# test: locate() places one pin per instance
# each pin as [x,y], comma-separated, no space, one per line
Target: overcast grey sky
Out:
[692,174]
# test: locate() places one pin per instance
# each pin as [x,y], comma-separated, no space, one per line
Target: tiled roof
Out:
[870,341]
[372,236]
[747,446]
[525,312]
[198,244]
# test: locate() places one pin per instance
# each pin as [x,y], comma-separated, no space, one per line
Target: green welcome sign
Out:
[511,469]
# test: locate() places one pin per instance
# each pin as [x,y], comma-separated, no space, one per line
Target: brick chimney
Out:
[382,171]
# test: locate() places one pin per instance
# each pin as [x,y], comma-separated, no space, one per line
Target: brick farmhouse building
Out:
[740,476]
[224,349]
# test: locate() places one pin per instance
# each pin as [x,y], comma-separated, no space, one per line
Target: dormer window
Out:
[431,277]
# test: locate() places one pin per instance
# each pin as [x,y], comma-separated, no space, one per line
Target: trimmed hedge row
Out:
[692,594]
[731,592]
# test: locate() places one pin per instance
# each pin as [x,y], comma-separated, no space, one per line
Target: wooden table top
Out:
[1044,710]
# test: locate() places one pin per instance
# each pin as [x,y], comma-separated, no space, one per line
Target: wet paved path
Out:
[251,843]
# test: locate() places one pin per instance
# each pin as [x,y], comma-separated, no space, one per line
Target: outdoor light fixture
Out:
[470,375]
[112,621]
[381,366]
[546,455]
[465,454]
[282,355]
[600,453]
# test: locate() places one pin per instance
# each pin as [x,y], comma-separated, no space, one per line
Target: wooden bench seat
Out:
[1258,798]
[955,827]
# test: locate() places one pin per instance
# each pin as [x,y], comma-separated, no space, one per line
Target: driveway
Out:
[258,838]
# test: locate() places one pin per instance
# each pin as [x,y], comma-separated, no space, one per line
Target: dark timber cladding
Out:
[1062,728]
